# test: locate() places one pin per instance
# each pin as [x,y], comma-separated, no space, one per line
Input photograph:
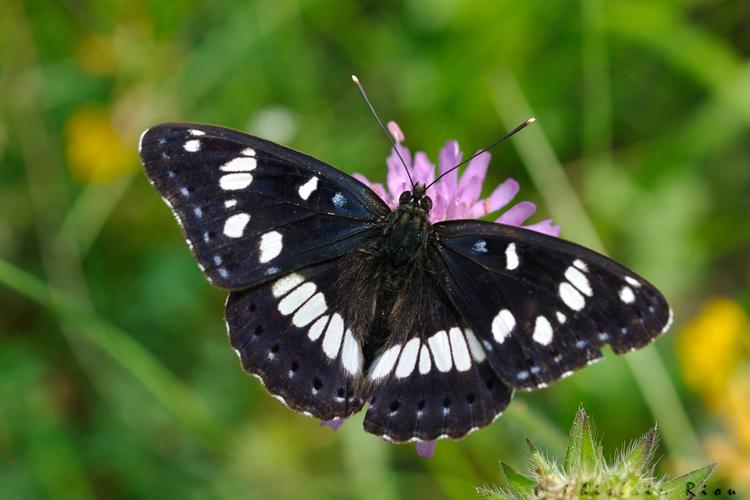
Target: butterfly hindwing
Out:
[250,209]
[432,379]
[292,335]
[544,307]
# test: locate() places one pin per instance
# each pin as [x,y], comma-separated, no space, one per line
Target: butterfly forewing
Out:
[252,210]
[542,306]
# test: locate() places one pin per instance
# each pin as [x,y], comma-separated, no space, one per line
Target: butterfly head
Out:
[416,198]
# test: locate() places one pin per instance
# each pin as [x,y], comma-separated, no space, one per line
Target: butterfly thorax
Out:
[408,229]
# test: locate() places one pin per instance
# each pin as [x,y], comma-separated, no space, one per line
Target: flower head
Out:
[454,196]
[585,473]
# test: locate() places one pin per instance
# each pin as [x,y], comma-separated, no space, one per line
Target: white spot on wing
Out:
[441,350]
[627,295]
[248,152]
[351,357]
[408,359]
[140,140]
[633,281]
[306,189]
[294,300]
[502,325]
[668,324]
[561,317]
[235,224]
[195,132]
[270,246]
[424,360]
[239,164]
[230,203]
[542,331]
[332,338]
[313,308]
[192,145]
[581,265]
[233,182]
[480,246]
[285,284]
[460,351]
[511,257]
[338,200]
[384,364]
[475,347]
[579,280]
[317,329]
[571,296]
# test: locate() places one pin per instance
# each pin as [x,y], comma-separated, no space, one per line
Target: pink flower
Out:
[454,196]
[333,424]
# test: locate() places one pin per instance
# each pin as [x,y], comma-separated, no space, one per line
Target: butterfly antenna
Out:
[377,118]
[483,150]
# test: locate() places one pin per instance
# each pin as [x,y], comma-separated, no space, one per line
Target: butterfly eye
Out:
[404,198]
[426,203]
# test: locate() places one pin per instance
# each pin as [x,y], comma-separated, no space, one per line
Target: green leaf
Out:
[589,455]
[517,481]
[575,443]
[492,493]
[678,488]
[641,454]
[542,465]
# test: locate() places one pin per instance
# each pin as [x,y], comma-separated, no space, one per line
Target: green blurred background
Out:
[116,377]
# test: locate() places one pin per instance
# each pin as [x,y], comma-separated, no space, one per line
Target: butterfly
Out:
[337,302]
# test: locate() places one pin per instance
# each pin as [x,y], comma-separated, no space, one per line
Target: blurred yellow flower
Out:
[94,148]
[735,409]
[713,356]
[709,349]
[733,463]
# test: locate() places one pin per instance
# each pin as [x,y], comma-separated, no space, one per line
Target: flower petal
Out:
[375,186]
[361,178]
[398,179]
[423,171]
[458,209]
[517,214]
[545,226]
[439,207]
[425,449]
[450,156]
[470,185]
[333,424]
[502,195]
[395,131]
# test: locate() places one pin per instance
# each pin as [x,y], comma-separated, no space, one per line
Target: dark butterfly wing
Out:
[292,335]
[252,210]
[432,379]
[543,307]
